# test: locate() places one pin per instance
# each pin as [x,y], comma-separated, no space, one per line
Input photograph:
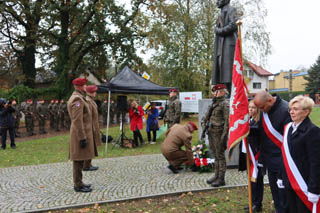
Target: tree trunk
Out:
[27,60]
[62,68]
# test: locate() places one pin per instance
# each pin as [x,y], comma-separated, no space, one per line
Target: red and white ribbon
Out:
[273,134]
[296,180]
[253,159]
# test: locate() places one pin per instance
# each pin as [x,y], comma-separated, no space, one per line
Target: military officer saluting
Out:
[81,146]
[216,120]
[173,112]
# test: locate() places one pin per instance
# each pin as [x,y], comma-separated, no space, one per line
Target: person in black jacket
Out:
[276,109]
[302,140]
[254,141]
[6,123]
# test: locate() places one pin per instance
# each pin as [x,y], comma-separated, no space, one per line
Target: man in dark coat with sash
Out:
[274,116]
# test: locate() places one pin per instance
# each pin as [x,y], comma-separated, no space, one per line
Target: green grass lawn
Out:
[55,149]
[315,116]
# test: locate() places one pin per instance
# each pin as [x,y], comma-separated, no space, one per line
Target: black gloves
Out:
[83,143]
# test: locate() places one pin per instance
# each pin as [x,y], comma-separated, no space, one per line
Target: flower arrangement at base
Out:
[201,159]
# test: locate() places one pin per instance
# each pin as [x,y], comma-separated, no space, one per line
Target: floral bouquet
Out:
[201,159]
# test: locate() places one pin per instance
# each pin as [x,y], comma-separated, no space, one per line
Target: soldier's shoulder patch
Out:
[77,104]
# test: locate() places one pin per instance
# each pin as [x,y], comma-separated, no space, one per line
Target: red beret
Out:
[29,100]
[218,86]
[91,88]
[79,81]
[193,125]
[174,90]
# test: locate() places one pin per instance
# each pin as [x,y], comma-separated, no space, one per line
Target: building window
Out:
[249,73]
[256,85]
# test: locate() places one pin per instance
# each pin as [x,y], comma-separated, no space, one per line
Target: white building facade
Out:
[258,77]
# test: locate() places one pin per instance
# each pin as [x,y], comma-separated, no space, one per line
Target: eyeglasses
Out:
[294,109]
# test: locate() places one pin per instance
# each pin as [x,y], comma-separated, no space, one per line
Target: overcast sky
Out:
[295,33]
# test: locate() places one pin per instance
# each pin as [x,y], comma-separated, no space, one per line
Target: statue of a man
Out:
[224,45]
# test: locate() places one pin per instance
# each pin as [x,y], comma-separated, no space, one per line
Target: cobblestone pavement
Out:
[50,186]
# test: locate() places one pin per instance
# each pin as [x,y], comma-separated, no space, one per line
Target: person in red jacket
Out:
[136,123]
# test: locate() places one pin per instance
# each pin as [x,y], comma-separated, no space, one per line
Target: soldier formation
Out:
[56,112]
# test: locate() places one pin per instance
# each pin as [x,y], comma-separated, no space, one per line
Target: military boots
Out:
[215,177]
[222,171]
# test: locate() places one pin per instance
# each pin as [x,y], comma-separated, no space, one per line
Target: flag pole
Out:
[239,23]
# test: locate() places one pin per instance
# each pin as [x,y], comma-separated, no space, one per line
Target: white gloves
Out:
[280,184]
[313,198]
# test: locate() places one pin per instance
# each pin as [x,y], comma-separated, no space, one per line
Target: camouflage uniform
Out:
[218,136]
[42,112]
[112,111]
[173,112]
[55,111]
[29,118]
[61,112]
[51,115]
[104,111]
[17,116]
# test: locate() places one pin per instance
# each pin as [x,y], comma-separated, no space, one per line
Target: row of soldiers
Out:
[56,112]
[114,111]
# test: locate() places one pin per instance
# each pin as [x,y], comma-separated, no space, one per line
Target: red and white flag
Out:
[239,105]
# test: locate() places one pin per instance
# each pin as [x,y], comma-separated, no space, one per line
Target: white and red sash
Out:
[296,180]
[273,134]
[253,159]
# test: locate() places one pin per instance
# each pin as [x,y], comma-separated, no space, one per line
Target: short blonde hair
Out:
[304,101]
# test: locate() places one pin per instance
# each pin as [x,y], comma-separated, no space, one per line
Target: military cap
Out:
[174,90]
[29,100]
[193,125]
[79,81]
[218,86]
[91,88]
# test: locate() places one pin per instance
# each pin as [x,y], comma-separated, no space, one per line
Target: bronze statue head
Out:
[222,3]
